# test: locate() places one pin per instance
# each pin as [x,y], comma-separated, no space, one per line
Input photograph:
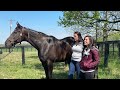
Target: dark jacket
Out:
[91,61]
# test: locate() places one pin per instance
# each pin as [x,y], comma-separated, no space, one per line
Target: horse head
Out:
[70,40]
[15,37]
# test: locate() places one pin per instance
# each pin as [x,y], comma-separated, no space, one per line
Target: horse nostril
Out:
[12,44]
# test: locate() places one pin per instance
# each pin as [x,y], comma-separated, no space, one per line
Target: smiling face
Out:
[89,41]
[86,41]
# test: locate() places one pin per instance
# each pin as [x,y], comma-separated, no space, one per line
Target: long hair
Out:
[79,36]
[92,42]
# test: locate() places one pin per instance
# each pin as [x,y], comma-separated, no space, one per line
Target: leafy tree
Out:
[96,23]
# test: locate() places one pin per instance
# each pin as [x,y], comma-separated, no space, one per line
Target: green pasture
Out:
[11,67]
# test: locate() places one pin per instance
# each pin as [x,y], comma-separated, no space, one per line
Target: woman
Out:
[90,59]
[77,49]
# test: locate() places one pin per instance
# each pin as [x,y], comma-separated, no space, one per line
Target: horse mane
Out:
[41,33]
[37,32]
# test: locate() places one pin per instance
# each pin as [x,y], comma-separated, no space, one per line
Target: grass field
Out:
[11,67]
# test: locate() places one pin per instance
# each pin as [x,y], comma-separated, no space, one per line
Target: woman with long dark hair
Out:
[77,49]
[90,59]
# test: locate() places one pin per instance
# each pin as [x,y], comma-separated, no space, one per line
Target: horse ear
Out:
[18,25]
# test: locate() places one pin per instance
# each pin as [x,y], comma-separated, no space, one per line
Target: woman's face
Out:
[76,37]
[86,41]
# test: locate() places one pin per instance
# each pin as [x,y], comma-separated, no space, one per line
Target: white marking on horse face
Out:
[20,34]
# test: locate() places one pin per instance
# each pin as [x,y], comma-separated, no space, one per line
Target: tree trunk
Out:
[96,31]
[105,34]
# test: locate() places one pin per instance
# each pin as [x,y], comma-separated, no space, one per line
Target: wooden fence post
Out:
[106,54]
[102,49]
[98,45]
[119,49]
[23,55]
[9,50]
[0,50]
[113,48]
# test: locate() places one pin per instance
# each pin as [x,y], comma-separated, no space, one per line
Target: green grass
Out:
[11,67]
[110,72]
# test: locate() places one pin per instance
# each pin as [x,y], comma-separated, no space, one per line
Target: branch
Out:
[114,29]
[114,21]
[100,20]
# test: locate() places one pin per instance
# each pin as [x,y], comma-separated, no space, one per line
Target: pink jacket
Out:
[91,61]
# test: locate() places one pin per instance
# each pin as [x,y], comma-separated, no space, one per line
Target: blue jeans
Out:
[74,66]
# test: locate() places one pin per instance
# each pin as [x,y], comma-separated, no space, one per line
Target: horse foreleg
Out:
[44,64]
[48,67]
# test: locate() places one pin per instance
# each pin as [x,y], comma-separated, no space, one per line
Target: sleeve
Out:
[96,59]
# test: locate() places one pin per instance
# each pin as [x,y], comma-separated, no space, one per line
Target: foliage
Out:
[96,23]
[112,36]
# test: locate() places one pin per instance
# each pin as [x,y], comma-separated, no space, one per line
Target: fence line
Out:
[105,50]
[22,49]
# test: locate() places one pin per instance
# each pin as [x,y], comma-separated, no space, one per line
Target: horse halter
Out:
[18,38]
[21,34]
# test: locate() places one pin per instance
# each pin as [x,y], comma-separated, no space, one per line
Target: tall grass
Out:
[110,72]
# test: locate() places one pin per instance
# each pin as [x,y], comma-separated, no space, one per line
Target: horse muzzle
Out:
[9,44]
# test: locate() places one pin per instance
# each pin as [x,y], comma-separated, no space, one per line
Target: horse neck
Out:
[33,37]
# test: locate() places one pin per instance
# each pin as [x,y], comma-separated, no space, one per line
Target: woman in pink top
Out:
[90,59]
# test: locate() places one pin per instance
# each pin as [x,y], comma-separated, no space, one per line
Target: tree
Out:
[97,23]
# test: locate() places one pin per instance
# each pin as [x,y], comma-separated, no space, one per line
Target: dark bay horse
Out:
[50,49]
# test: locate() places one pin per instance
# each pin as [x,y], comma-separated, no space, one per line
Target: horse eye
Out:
[15,32]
